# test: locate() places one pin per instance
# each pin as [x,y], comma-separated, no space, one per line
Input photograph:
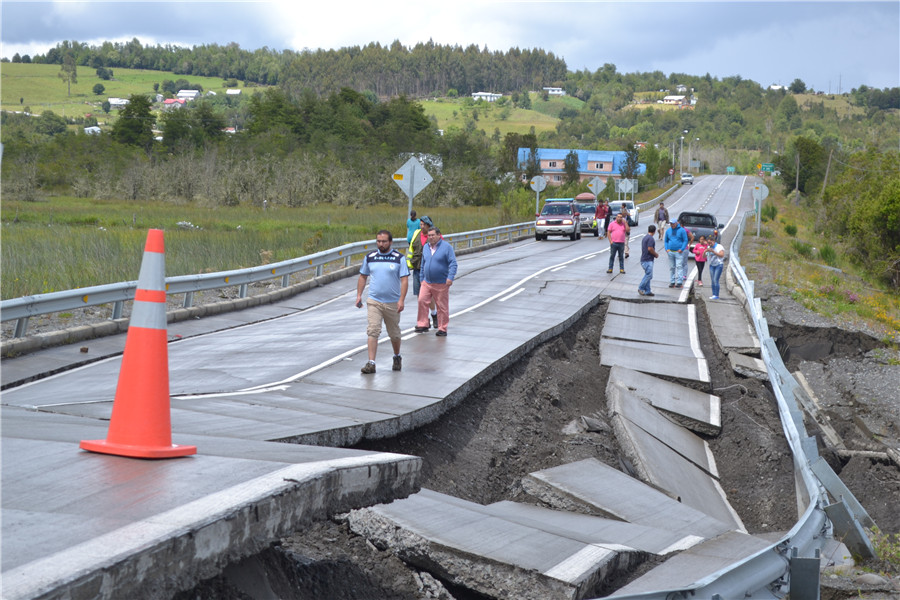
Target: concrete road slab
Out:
[695,410]
[655,359]
[624,403]
[494,556]
[110,515]
[731,327]
[593,530]
[591,487]
[668,312]
[670,458]
[675,333]
[693,566]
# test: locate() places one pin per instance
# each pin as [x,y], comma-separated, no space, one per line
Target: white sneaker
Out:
[713,297]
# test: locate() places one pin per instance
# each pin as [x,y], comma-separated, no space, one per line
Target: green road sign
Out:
[768,167]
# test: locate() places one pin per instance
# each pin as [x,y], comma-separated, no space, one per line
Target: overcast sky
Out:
[831,46]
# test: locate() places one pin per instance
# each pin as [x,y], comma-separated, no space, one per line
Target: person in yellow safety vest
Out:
[414,258]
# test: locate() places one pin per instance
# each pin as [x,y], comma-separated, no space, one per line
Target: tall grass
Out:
[68,243]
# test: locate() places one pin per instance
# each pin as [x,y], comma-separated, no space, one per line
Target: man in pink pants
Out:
[437,273]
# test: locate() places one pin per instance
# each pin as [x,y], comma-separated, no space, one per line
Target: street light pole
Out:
[681,155]
[691,155]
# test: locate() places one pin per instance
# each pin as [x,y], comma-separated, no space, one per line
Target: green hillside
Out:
[502,117]
[39,88]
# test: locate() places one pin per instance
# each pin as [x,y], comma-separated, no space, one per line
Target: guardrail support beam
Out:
[21,327]
[804,576]
[243,291]
[188,300]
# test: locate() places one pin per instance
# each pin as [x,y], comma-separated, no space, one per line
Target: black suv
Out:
[699,224]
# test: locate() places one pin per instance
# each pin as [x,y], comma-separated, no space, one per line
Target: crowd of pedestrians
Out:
[432,263]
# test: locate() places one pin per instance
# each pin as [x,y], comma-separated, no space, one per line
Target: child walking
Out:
[700,249]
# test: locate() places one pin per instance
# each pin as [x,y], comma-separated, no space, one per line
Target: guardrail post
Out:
[347,260]
[118,307]
[804,576]
[243,291]
[21,327]
[188,300]
[285,280]
[319,270]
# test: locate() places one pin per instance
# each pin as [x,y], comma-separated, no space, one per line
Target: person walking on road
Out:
[716,255]
[676,243]
[387,291]
[414,251]
[648,255]
[662,219]
[438,272]
[618,234]
[600,216]
[412,223]
[700,249]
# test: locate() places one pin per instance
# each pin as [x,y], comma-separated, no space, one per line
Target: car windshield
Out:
[587,208]
[557,209]
[699,221]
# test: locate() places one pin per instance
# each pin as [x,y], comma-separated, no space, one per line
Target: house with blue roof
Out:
[604,164]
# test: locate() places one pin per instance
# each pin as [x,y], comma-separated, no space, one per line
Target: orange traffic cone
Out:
[140,425]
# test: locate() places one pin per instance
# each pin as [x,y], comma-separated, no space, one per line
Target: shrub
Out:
[790,229]
[769,211]
[828,254]
[802,248]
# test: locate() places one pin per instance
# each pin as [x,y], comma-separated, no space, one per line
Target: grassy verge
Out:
[67,243]
[813,270]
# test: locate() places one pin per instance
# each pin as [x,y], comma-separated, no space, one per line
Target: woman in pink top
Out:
[700,258]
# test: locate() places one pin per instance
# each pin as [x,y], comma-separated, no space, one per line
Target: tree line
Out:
[393,70]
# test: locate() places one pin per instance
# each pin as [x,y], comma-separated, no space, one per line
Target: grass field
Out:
[66,243]
[543,116]
[39,88]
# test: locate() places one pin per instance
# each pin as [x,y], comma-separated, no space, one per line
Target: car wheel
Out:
[537,237]
[573,236]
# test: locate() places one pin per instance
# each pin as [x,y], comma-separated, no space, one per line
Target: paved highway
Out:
[327,328]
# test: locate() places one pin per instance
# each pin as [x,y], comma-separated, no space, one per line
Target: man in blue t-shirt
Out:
[387,290]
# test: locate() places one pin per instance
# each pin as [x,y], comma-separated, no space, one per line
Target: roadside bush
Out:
[790,229]
[802,248]
[769,211]
[828,254]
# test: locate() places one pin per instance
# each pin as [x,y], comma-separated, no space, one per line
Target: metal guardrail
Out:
[768,573]
[22,309]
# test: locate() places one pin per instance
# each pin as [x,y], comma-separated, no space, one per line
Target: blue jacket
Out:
[676,239]
[441,266]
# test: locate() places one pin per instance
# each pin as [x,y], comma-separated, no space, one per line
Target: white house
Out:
[93,130]
[680,100]
[117,103]
[555,91]
[232,92]
[188,94]
[486,96]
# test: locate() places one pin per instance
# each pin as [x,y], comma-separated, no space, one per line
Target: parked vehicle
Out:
[558,217]
[634,215]
[586,204]
[699,224]
[687,178]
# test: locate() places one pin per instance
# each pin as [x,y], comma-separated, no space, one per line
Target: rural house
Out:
[188,94]
[605,164]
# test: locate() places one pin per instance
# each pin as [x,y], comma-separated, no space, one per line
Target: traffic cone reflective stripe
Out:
[140,425]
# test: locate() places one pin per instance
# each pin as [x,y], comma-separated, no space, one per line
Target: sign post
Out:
[596,186]
[760,192]
[412,178]
[538,184]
